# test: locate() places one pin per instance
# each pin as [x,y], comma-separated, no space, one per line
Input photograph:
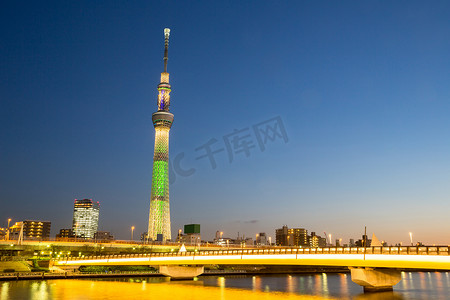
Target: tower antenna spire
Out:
[166,47]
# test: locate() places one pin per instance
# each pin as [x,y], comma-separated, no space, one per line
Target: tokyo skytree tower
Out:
[159,217]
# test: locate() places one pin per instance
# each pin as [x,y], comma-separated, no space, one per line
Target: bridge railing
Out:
[391,250]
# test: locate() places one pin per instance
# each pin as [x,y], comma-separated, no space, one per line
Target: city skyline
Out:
[359,90]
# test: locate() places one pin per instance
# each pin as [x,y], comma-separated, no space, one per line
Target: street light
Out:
[132,230]
[9,220]
[410,237]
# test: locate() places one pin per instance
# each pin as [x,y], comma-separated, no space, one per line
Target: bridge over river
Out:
[375,268]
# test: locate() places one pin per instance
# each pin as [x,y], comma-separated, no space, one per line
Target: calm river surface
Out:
[414,285]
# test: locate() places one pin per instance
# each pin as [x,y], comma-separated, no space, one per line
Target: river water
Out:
[414,285]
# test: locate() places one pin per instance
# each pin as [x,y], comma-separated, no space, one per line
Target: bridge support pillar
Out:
[376,280]
[181,272]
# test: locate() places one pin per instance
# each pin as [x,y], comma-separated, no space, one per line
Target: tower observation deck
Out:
[159,216]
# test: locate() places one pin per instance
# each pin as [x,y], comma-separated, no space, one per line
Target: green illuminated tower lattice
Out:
[159,217]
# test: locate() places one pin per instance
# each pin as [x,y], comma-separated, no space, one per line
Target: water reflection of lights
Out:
[344,285]
[430,282]
[448,278]
[118,290]
[317,284]
[325,284]
[410,280]
[302,284]
[422,280]
[4,291]
[337,285]
[221,282]
[289,284]
[438,280]
[404,283]
[39,290]
[256,283]
[310,283]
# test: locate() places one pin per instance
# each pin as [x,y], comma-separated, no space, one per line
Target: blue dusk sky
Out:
[325,115]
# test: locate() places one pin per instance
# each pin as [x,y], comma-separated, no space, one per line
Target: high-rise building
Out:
[85,218]
[281,236]
[363,242]
[65,233]
[159,216]
[31,230]
[316,241]
[103,236]
[291,237]
[298,237]
[261,239]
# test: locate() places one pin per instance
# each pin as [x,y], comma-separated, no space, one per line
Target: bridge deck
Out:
[377,257]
